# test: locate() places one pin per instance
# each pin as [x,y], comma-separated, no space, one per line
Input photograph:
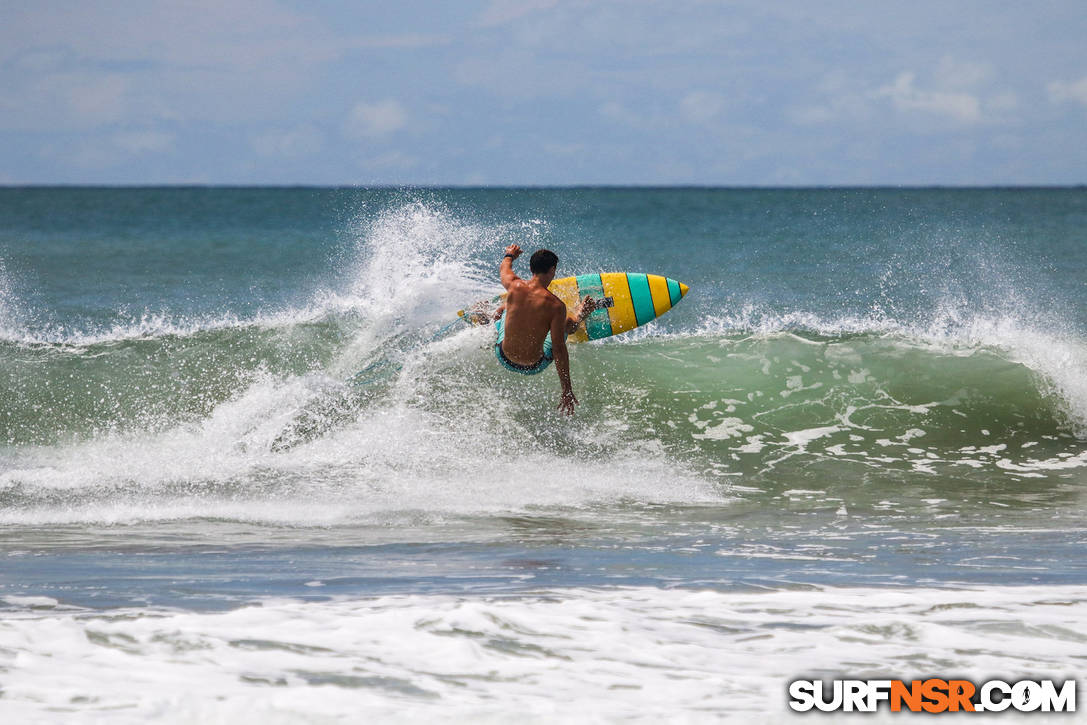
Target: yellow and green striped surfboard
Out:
[635,300]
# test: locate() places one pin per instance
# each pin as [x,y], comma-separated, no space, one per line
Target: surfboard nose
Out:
[683,290]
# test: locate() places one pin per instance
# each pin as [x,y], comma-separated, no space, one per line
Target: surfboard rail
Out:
[635,298]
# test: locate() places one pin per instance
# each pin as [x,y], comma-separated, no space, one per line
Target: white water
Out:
[402,454]
[413,263]
[411,268]
[1058,357]
[432,446]
[575,655]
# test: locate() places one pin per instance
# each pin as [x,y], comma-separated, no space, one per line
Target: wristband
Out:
[507,254]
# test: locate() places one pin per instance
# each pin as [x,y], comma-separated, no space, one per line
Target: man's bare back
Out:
[534,323]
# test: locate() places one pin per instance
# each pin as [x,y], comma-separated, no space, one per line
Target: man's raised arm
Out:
[506,274]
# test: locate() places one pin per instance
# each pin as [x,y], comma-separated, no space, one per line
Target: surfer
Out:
[532,332]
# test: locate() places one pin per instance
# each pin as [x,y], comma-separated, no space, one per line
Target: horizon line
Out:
[499,187]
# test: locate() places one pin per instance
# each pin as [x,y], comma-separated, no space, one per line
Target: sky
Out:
[543,92]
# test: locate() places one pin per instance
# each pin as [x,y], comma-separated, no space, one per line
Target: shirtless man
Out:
[532,332]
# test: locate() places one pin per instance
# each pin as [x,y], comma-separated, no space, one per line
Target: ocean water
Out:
[248,471]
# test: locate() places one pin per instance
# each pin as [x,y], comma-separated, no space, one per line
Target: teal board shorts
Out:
[539,367]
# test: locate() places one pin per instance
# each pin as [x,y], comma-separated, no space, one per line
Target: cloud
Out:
[143,142]
[725,90]
[288,143]
[99,99]
[1002,102]
[38,60]
[391,161]
[954,73]
[842,98]
[500,12]
[618,113]
[1071,91]
[701,106]
[848,107]
[956,90]
[242,34]
[99,63]
[376,119]
[407,40]
[109,150]
[558,148]
[961,106]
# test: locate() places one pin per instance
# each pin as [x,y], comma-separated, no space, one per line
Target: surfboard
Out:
[628,300]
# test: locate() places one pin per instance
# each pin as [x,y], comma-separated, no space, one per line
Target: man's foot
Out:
[585,308]
[479,314]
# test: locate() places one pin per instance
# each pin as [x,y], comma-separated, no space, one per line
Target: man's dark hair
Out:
[543,260]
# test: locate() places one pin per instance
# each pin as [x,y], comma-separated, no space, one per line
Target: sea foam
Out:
[572,654]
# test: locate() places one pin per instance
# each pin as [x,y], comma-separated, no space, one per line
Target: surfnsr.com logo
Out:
[933,695]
